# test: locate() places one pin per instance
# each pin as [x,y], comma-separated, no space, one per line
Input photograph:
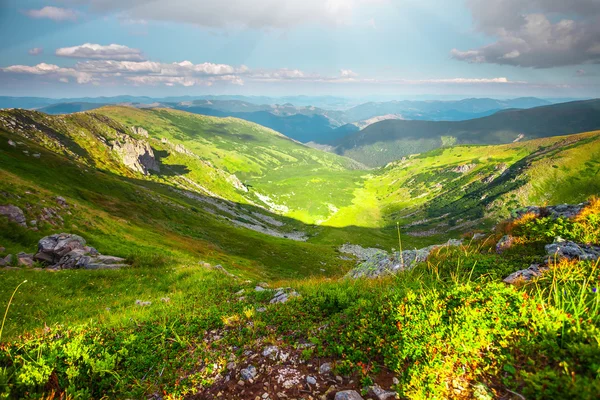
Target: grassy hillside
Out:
[390,140]
[174,326]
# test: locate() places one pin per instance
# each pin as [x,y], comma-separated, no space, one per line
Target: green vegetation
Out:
[390,140]
[446,329]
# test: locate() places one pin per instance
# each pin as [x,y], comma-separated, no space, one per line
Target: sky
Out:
[404,48]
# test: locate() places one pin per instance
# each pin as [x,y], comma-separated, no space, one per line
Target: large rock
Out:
[524,275]
[14,214]
[381,263]
[348,395]
[504,244]
[571,250]
[68,251]
[559,211]
[136,154]
[54,247]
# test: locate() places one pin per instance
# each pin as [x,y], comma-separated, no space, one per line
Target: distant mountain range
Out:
[390,140]
[293,116]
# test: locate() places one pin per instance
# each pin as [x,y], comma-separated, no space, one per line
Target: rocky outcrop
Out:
[138,130]
[559,250]
[14,214]
[559,211]
[381,263]
[69,251]
[282,295]
[572,251]
[136,154]
[236,183]
[524,275]
[463,169]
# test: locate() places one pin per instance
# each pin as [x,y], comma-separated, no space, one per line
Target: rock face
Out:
[138,130]
[68,251]
[14,214]
[561,210]
[136,154]
[463,169]
[382,263]
[571,250]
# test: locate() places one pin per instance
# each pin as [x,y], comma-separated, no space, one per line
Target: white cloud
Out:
[348,73]
[97,51]
[50,70]
[186,73]
[35,51]
[236,13]
[54,13]
[536,33]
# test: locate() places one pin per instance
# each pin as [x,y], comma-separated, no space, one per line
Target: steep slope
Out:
[462,187]
[390,140]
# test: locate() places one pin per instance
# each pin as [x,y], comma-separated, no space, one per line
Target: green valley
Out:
[242,247]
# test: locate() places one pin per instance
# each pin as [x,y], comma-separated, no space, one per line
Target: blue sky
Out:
[63,48]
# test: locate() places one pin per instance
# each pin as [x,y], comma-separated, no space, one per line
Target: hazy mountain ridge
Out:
[390,140]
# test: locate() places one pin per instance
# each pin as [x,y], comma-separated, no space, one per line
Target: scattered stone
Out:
[6,260]
[141,303]
[61,201]
[33,222]
[11,143]
[348,395]
[381,394]
[395,381]
[25,260]
[504,244]
[248,373]
[36,155]
[325,368]
[283,295]
[259,289]
[463,169]
[165,299]
[14,214]
[271,352]
[223,270]
[339,379]
[311,380]
[261,309]
[231,366]
[478,236]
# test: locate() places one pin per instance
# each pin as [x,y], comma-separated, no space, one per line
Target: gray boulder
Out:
[381,263]
[379,393]
[524,275]
[571,250]
[54,247]
[348,395]
[559,211]
[68,251]
[25,259]
[248,373]
[14,214]
[504,244]
[6,260]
